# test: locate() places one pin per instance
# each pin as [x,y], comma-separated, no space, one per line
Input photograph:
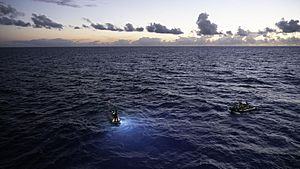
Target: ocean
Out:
[173,102]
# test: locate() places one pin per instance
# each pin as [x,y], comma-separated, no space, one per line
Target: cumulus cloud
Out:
[266,30]
[10,21]
[98,26]
[139,29]
[205,26]
[158,28]
[229,33]
[288,26]
[8,11]
[112,27]
[77,27]
[129,28]
[87,20]
[69,3]
[242,32]
[42,21]
[85,26]
[9,14]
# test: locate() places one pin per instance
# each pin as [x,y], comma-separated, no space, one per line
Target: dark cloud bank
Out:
[9,14]
[288,26]
[7,10]
[10,21]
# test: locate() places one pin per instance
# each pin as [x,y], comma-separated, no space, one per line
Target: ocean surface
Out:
[173,102]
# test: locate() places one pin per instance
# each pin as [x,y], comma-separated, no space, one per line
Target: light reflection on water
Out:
[131,135]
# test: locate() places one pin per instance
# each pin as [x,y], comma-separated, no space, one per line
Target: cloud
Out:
[185,41]
[146,41]
[242,32]
[87,20]
[121,42]
[107,26]
[288,27]
[139,29]
[8,11]
[42,21]
[112,27]
[90,5]
[8,15]
[77,27]
[57,42]
[129,28]
[158,28]
[10,21]
[222,40]
[229,33]
[42,43]
[267,30]
[98,26]
[85,26]
[205,26]
[69,3]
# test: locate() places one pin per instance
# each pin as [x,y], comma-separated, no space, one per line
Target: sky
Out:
[155,22]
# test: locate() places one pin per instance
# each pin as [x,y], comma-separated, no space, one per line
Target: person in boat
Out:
[242,106]
[115,116]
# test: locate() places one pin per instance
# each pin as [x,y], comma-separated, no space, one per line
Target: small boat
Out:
[116,121]
[115,118]
[242,107]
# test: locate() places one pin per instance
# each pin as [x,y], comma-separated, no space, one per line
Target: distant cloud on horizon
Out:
[148,41]
[98,26]
[129,28]
[266,30]
[158,28]
[242,32]
[229,33]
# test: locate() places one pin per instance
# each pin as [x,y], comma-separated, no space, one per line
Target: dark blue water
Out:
[173,102]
